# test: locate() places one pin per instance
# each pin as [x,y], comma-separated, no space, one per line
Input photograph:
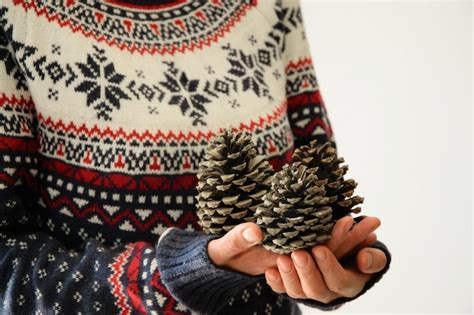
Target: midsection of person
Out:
[122,120]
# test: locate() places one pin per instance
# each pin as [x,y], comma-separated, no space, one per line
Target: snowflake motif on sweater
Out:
[106,96]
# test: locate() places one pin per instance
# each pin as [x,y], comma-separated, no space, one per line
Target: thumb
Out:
[236,241]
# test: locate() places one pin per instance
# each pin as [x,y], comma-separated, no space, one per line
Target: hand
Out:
[239,250]
[305,276]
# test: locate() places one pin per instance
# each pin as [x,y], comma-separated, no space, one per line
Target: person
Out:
[106,109]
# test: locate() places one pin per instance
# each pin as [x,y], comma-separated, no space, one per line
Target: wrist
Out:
[213,254]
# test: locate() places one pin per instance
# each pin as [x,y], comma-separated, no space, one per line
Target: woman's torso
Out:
[125,99]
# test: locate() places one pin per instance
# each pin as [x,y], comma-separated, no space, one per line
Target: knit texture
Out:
[191,277]
[195,281]
[106,109]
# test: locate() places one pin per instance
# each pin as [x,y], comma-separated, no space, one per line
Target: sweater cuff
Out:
[191,277]
[337,303]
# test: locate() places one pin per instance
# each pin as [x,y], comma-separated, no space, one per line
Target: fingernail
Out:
[284,266]
[321,255]
[370,259]
[300,260]
[250,236]
[374,227]
[349,226]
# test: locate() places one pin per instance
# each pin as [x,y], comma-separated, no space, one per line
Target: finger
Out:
[274,280]
[336,277]
[371,260]
[236,241]
[371,238]
[290,278]
[255,261]
[358,218]
[357,235]
[339,233]
[311,279]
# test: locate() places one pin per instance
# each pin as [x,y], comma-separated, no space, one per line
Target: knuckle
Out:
[346,289]
[325,297]
[232,244]
[339,286]
[271,282]
[349,292]
[294,295]
[314,295]
[278,290]
[272,285]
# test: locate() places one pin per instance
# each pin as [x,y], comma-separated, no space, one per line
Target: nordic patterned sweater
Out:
[106,108]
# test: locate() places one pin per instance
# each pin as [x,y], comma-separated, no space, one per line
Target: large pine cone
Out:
[295,213]
[232,179]
[323,161]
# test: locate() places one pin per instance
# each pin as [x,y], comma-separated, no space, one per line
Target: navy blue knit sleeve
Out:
[191,277]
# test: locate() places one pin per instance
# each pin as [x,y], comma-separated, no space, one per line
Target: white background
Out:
[396,78]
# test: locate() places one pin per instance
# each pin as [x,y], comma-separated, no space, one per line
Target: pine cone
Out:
[323,161]
[295,213]
[232,179]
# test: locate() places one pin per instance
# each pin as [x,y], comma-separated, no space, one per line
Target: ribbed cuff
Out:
[337,303]
[191,277]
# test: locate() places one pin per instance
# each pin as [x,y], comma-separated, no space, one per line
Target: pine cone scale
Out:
[232,179]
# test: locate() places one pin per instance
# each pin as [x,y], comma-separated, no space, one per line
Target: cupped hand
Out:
[319,275]
[240,250]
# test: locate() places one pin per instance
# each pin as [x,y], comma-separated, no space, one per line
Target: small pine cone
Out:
[232,179]
[295,212]
[323,161]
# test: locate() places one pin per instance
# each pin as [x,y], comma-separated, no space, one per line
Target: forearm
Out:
[191,277]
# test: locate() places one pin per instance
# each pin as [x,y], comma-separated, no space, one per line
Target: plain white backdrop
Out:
[396,78]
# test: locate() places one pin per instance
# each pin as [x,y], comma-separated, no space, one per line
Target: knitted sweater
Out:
[106,109]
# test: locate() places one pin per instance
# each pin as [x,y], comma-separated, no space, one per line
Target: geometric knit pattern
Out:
[106,110]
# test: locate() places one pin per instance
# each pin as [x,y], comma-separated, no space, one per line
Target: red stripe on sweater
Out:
[121,181]
[157,135]
[146,6]
[306,98]
[22,144]
[308,130]
[16,101]
[300,63]
[121,215]
[114,279]
[134,47]
[133,278]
